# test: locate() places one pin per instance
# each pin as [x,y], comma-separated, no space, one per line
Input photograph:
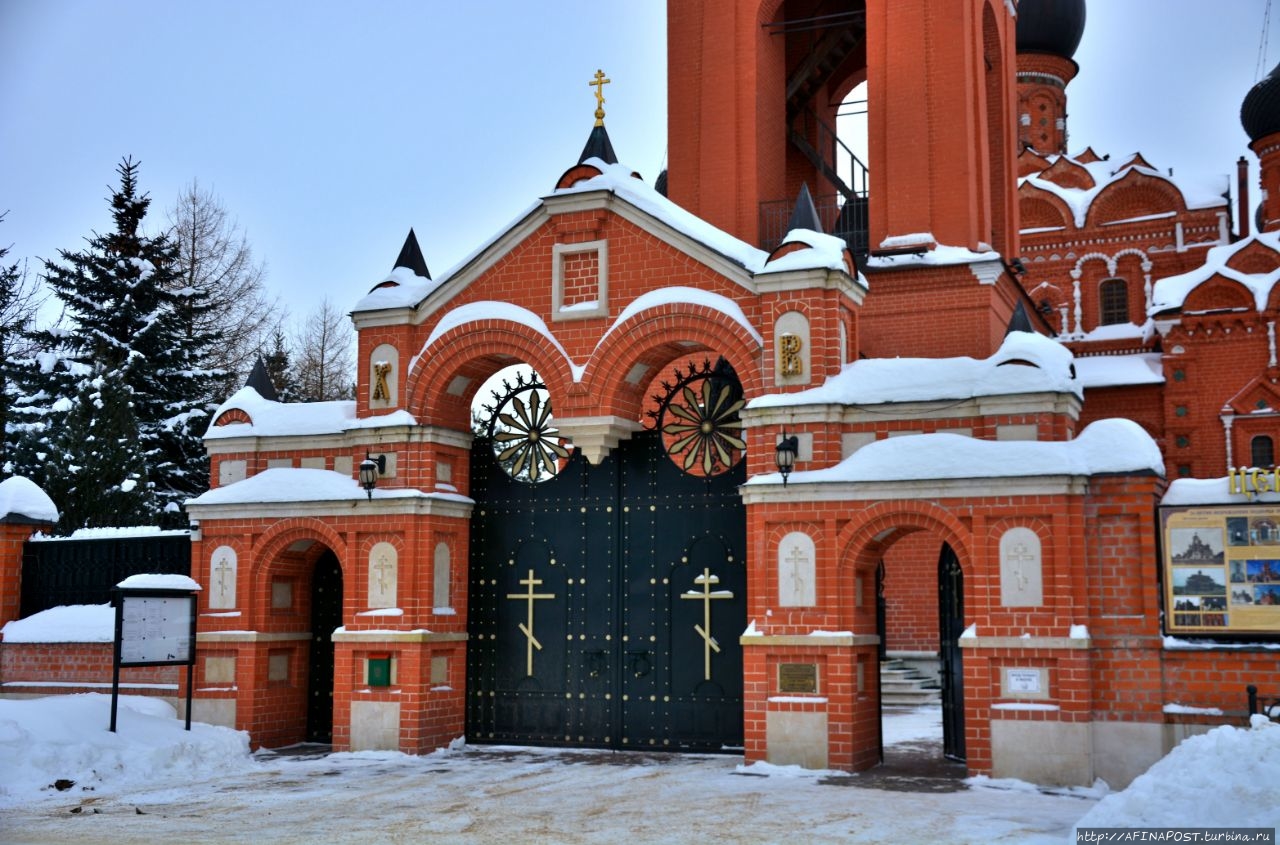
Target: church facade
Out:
[745,464]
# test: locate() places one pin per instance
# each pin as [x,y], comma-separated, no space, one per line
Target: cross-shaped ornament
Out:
[598,83]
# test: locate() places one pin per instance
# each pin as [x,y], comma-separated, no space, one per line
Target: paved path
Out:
[516,796]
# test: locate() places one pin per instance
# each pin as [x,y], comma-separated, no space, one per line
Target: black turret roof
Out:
[411,257]
[1050,26]
[805,214]
[260,380]
[598,146]
[1260,111]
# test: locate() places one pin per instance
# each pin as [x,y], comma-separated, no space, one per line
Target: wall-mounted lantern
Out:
[370,469]
[785,454]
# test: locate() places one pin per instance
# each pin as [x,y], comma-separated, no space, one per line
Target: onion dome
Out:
[1050,26]
[1260,111]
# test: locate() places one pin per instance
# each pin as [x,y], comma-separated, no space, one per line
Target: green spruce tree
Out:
[132,327]
[102,481]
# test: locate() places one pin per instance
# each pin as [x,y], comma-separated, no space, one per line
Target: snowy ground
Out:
[154,782]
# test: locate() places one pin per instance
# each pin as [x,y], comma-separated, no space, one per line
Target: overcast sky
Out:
[329,129]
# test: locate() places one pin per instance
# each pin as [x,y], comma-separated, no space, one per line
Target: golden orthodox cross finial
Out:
[598,83]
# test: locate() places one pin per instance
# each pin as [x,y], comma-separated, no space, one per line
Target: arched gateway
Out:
[605,554]
[608,556]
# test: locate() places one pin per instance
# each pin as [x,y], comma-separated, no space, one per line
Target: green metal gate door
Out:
[605,604]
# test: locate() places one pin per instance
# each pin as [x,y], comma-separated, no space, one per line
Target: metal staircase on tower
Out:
[844,213]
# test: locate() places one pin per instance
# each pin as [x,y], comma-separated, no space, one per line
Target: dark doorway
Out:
[951,626]
[606,604]
[326,615]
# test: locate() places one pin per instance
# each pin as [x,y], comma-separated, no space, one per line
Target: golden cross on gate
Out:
[705,580]
[598,83]
[530,597]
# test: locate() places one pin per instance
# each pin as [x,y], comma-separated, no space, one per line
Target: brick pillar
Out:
[14,533]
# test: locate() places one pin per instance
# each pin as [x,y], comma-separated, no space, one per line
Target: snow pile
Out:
[290,418]
[1024,363]
[159,581]
[1113,445]
[1224,778]
[1117,370]
[116,532]
[941,255]
[1170,293]
[1213,491]
[23,497]
[1196,193]
[286,484]
[825,251]
[77,623]
[65,739]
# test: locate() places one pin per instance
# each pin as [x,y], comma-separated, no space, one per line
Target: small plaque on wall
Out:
[797,677]
[1025,683]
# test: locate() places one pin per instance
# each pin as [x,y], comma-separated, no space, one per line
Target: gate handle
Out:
[640,664]
[597,662]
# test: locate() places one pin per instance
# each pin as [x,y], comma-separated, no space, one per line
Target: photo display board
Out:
[156,629]
[1222,569]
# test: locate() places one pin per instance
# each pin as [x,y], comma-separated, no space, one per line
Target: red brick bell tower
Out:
[753,91]
[752,83]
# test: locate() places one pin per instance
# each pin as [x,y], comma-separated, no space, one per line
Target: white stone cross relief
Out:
[1020,556]
[797,576]
[224,578]
[382,576]
[1021,569]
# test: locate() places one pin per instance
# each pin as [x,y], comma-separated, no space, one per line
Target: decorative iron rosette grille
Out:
[698,418]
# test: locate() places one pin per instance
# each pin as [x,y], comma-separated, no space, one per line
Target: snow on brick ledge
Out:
[77,623]
[1105,446]
[1024,363]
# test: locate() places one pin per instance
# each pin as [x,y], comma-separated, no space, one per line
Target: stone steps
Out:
[903,686]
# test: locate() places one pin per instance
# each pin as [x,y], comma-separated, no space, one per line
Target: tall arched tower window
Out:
[1262,451]
[1113,302]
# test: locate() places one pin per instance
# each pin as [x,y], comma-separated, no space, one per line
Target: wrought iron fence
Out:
[58,571]
[844,219]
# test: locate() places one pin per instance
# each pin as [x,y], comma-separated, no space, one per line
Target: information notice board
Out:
[154,627]
[1222,569]
[155,630]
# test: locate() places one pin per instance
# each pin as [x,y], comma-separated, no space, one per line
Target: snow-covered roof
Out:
[1213,491]
[1170,293]
[1197,193]
[617,179]
[405,290]
[291,484]
[22,497]
[878,380]
[277,419]
[1117,370]
[1112,445]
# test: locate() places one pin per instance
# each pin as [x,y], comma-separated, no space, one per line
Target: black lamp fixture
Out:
[370,469]
[785,454]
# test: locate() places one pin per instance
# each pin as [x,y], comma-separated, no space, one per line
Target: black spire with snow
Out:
[260,380]
[410,257]
[598,146]
[805,214]
[1019,322]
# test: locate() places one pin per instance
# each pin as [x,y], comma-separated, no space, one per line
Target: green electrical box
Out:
[380,670]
